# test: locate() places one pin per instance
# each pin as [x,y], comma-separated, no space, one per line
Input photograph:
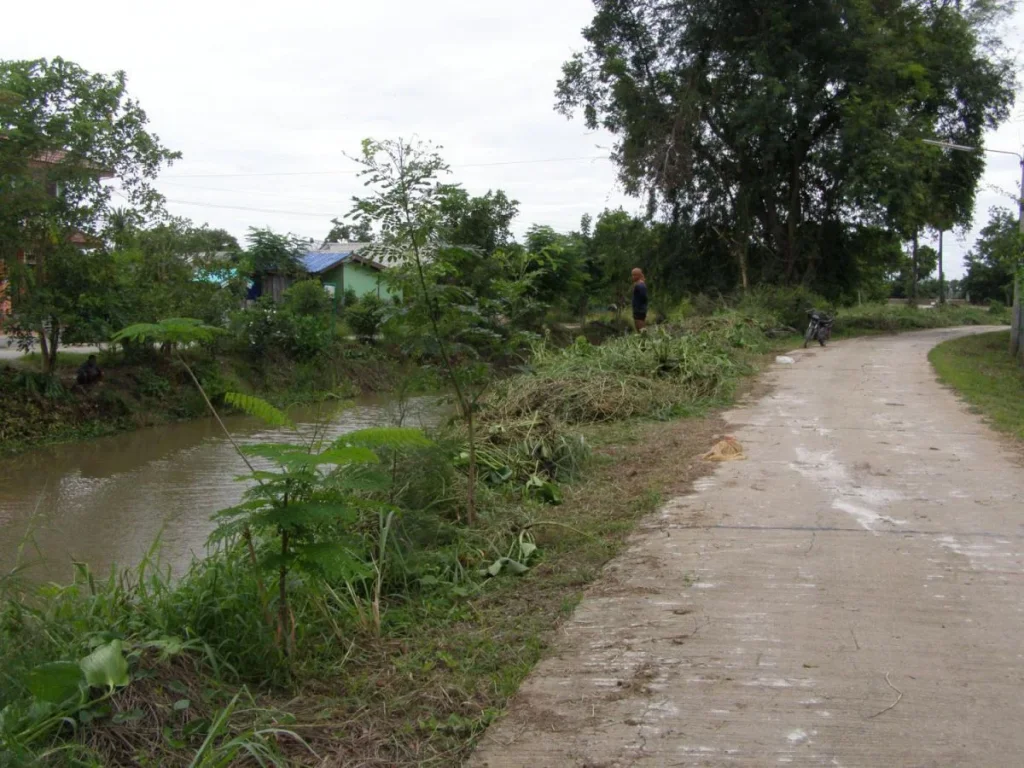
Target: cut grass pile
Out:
[663,372]
[981,370]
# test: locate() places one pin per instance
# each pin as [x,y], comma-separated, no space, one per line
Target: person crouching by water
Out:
[88,372]
[639,300]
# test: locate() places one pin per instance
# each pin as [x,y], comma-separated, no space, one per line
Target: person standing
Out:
[639,299]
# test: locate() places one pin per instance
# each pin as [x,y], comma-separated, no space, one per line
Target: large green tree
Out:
[763,123]
[63,131]
[995,258]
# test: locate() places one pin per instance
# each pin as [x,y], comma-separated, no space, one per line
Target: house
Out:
[340,267]
[42,169]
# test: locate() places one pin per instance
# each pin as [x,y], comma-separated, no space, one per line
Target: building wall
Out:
[357,277]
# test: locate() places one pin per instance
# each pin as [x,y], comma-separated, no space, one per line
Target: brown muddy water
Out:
[105,502]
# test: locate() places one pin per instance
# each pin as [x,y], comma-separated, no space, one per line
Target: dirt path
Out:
[851,595]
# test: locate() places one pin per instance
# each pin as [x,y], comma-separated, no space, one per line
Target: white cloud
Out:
[264,87]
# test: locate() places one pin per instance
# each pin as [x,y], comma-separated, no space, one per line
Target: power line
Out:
[256,210]
[243,192]
[352,173]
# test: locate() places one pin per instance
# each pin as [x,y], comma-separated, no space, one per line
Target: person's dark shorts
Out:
[640,316]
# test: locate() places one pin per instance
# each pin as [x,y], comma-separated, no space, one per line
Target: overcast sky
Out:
[243,89]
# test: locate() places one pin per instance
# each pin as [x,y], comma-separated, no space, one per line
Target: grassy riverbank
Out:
[36,410]
[405,662]
[404,655]
[982,372]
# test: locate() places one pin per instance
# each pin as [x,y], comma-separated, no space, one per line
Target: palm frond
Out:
[258,407]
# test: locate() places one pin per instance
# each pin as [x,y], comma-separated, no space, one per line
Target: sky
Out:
[264,100]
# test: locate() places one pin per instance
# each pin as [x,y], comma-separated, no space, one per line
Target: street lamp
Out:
[1017,318]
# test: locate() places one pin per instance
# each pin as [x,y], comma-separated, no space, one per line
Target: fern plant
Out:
[307,505]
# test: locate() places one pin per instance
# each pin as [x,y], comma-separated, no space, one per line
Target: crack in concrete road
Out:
[915,511]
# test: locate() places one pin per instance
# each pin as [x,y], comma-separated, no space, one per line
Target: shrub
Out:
[788,303]
[308,298]
[996,307]
[366,318]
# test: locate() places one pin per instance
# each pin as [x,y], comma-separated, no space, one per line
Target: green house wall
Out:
[359,278]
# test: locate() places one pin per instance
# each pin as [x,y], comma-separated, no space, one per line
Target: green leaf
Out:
[55,682]
[351,454]
[527,548]
[495,568]
[106,667]
[303,514]
[172,741]
[194,727]
[128,717]
[515,566]
[258,407]
[181,705]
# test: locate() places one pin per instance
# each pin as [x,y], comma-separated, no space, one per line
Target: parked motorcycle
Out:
[819,327]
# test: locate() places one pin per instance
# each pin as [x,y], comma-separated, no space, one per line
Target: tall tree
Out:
[995,258]
[756,121]
[483,222]
[62,131]
[341,232]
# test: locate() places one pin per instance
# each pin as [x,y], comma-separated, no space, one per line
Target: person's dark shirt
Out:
[640,298]
[88,373]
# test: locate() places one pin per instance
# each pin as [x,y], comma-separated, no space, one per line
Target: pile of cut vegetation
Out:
[648,374]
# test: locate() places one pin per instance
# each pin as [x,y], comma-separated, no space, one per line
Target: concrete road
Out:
[850,595]
[9,349]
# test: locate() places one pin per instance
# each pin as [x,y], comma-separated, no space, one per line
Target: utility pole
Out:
[1017,314]
[942,281]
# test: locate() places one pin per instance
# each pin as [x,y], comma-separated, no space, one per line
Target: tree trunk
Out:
[54,344]
[942,279]
[913,269]
[741,258]
[44,349]
[792,219]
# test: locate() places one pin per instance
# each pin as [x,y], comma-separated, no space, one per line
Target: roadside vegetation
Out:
[375,599]
[985,376]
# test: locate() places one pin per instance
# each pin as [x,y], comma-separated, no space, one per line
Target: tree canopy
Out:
[780,128]
[63,131]
[993,261]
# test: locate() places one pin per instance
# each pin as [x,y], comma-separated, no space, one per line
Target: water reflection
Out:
[105,501]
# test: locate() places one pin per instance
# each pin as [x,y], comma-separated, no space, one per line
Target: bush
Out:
[267,329]
[308,298]
[788,303]
[888,318]
[366,318]
[996,307]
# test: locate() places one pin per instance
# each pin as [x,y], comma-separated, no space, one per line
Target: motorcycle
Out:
[819,327]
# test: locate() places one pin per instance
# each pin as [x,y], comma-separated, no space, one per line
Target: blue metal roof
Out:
[318,261]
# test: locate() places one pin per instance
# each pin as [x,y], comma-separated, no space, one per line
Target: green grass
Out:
[981,370]
[885,318]
[69,361]
[453,643]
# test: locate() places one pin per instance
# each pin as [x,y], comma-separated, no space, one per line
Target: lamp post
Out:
[1017,318]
